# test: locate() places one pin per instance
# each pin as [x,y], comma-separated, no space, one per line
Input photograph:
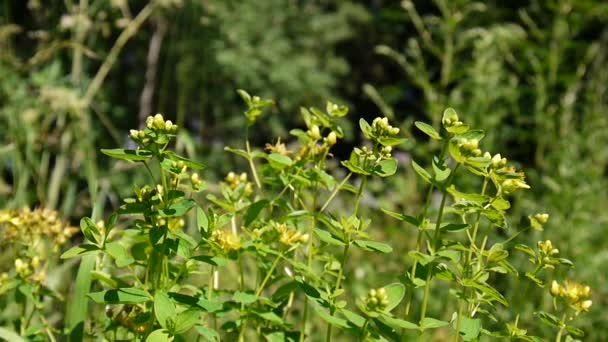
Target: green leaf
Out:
[81,250]
[391,141]
[218,261]
[328,238]
[185,320]
[575,331]
[501,204]
[402,217]
[164,310]
[209,305]
[548,319]
[129,155]
[455,151]
[327,317]
[525,249]
[244,297]
[254,210]
[201,220]
[208,334]
[178,209]
[428,130]
[127,295]
[159,335]
[386,168]
[395,293]
[77,311]
[422,258]
[90,231]
[473,198]
[432,323]
[491,293]
[366,129]
[454,227]
[188,162]
[309,290]
[442,171]
[279,161]
[119,253]
[496,217]
[398,323]
[353,317]
[474,134]
[354,168]
[470,328]
[422,172]
[10,336]
[270,316]
[374,246]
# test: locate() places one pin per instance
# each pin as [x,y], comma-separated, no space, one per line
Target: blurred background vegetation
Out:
[76,75]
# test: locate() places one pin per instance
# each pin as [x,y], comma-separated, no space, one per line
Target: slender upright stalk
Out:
[345,252]
[436,236]
[251,163]
[562,324]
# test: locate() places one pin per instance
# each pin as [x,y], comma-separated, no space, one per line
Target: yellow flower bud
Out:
[555,289]
[331,138]
[314,132]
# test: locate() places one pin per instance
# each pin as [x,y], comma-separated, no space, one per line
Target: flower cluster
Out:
[376,300]
[228,241]
[31,269]
[575,294]
[32,226]
[289,236]
[278,148]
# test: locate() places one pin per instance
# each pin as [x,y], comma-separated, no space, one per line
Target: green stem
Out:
[335,192]
[345,252]
[364,329]
[309,249]
[268,274]
[250,160]
[558,338]
[436,236]
[419,237]
[468,261]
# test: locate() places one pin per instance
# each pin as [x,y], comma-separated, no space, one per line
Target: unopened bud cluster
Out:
[376,300]
[381,128]
[235,182]
[538,220]
[575,294]
[496,162]
[318,144]
[469,147]
[546,248]
[155,125]
[450,119]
